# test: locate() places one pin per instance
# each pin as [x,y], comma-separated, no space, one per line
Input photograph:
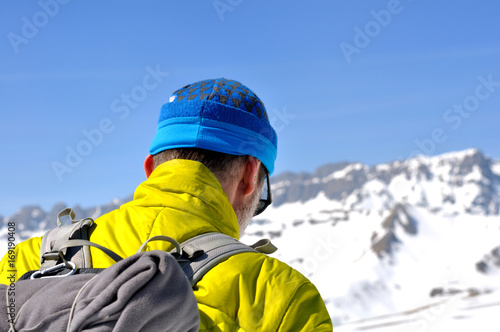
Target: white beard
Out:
[244,214]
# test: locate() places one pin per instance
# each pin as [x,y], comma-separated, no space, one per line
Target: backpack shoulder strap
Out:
[54,242]
[207,250]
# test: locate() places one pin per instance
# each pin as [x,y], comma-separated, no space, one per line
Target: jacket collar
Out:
[189,185]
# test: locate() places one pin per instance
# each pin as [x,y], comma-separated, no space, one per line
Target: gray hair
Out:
[224,166]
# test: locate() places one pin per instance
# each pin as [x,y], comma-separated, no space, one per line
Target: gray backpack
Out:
[149,291]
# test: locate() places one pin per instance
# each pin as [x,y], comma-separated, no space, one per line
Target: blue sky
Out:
[82,82]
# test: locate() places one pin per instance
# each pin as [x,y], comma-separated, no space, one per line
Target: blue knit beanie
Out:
[220,115]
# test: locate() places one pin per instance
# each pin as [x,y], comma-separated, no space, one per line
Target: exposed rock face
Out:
[490,262]
[383,244]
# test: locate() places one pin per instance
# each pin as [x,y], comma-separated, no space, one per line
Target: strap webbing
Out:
[216,247]
[264,246]
[161,238]
[79,243]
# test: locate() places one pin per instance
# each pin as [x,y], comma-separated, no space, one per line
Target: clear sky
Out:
[82,82]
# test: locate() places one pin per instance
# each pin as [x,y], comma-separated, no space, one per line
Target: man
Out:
[213,149]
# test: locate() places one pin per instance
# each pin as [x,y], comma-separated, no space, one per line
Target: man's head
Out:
[224,125]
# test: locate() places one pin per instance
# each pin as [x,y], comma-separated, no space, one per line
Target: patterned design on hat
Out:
[226,92]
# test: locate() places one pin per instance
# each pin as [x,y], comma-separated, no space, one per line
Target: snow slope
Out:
[411,236]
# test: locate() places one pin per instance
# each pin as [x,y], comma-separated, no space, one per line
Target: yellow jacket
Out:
[182,199]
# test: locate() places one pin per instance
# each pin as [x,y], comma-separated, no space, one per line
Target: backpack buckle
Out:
[44,273]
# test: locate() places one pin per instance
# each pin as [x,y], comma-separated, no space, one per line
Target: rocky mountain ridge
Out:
[467,180]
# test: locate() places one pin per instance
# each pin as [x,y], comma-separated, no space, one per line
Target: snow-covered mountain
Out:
[393,237]
[459,182]
[420,237]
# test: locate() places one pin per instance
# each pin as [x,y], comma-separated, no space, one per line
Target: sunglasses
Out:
[264,202]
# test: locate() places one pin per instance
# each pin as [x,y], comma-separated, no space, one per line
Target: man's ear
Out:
[249,180]
[148,165]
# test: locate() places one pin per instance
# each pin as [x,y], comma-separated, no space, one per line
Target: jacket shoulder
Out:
[261,293]
[23,258]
